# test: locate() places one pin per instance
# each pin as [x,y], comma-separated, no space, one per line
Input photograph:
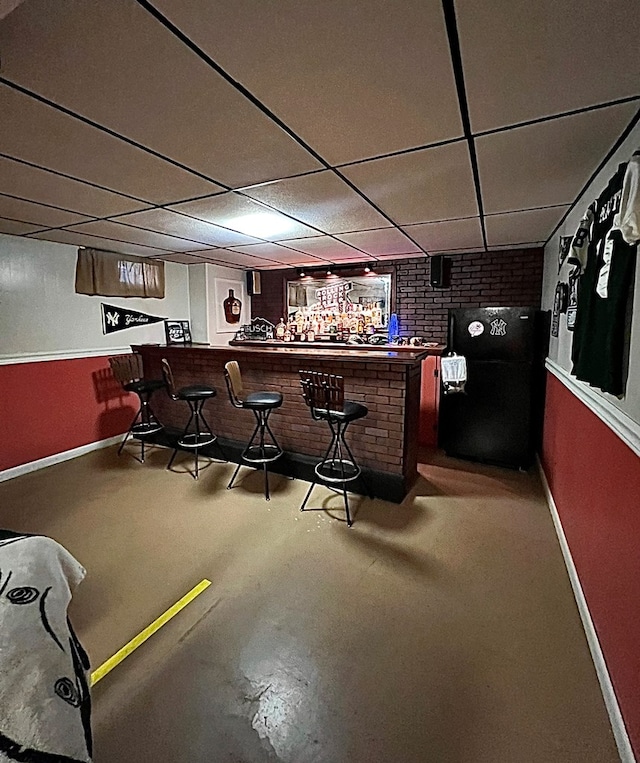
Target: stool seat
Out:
[262,400]
[143,385]
[350,412]
[195,392]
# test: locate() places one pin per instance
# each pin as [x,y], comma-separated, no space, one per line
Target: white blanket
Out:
[44,696]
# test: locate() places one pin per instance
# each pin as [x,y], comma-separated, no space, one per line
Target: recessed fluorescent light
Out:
[261,224]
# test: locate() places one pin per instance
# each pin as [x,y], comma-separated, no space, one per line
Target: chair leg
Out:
[196,411]
[139,415]
[173,455]
[124,442]
[346,505]
[266,482]
[308,495]
[235,474]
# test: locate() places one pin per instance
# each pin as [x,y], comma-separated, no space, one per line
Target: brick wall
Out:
[377,440]
[506,278]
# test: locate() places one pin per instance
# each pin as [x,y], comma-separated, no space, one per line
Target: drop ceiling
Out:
[270,133]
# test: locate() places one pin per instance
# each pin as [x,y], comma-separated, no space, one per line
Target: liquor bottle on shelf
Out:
[287,335]
[232,308]
[281,329]
[311,335]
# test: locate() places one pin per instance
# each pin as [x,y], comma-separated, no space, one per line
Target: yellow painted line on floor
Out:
[138,640]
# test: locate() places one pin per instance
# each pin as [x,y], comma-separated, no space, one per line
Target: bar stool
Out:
[261,453]
[324,395]
[195,395]
[128,370]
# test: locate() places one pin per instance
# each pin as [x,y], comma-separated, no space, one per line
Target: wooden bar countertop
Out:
[402,355]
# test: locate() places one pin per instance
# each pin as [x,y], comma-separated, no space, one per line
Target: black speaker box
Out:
[440,276]
[254,285]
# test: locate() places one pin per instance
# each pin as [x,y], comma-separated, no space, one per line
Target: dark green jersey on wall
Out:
[600,330]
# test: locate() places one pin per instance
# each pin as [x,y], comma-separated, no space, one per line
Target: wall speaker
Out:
[440,276]
[254,285]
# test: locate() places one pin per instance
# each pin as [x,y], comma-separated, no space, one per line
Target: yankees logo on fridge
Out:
[498,327]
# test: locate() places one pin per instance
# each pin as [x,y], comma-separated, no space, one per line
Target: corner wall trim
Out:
[66,455]
[624,426]
[610,700]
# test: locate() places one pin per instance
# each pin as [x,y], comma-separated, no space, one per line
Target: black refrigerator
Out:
[498,417]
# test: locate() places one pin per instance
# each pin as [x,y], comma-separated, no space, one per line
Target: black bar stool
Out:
[128,370]
[324,394]
[196,437]
[261,453]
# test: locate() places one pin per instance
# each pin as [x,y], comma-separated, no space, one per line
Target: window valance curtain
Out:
[109,274]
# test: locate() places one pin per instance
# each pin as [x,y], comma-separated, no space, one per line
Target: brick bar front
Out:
[385,443]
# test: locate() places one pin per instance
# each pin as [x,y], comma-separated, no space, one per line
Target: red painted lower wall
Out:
[52,406]
[595,482]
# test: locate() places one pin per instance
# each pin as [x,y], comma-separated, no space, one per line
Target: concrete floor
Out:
[440,630]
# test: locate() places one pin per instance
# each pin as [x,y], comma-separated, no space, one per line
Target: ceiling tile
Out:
[528,245]
[449,234]
[118,232]
[274,251]
[16,227]
[146,84]
[322,246]
[176,224]
[323,200]
[83,239]
[521,227]
[385,257]
[524,60]
[236,259]
[353,79]
[237,212]
[546,163]
[467,250]
[45,187]
[180,258]
[50,139]
[38,214]
[422,186]
[382,241]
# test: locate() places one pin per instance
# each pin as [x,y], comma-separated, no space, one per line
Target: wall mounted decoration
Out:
[177,332]
[231,305]
[119,318]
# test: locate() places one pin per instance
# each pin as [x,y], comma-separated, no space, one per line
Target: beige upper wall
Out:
[41,315]
[560,347]
[206,287]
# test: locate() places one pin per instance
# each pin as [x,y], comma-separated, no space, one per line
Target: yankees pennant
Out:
[118,318]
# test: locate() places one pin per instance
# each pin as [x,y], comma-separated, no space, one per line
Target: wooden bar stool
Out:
[128,370]
[258,452]
[197,433]
[324,395]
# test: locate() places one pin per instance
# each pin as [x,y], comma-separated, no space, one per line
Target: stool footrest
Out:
[337,470]
[144,428]
[261,454]
[196,440]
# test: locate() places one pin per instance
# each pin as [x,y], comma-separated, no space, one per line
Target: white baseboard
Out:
[41,463]
[615,716]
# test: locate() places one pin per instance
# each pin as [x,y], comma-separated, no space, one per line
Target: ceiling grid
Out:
[285,134]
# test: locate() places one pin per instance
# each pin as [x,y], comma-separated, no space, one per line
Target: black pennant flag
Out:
[119,318]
